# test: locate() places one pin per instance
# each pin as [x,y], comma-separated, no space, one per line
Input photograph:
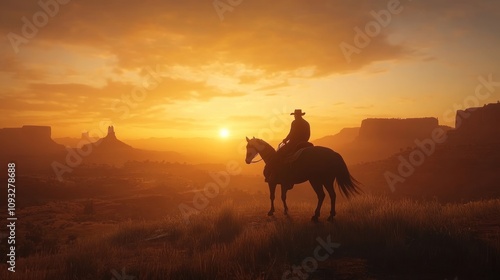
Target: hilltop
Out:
[344,137]
[478,125]
[379,138]
[33,148]
[30,147]
[463,166]
[111,150]
[372,238]
[28,140]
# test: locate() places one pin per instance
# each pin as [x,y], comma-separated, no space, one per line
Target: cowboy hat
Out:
[298,112]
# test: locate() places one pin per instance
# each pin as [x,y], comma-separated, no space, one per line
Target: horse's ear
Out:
[253,137]
[247,139]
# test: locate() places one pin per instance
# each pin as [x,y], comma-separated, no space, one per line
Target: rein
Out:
[255,161]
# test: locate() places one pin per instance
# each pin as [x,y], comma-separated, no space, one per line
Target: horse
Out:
[320,166]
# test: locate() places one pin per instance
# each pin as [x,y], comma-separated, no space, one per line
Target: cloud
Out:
[363,107]
[272,36]
[92,54]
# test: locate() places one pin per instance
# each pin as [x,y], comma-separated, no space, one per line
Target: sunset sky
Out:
[189,68]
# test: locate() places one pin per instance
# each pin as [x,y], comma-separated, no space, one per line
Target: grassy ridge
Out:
[379,237]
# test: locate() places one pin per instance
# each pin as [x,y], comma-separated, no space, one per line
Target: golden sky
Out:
[189,68]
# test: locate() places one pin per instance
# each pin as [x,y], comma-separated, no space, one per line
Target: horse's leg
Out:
[318,188]
[284,189]
[333,196]
[272,190]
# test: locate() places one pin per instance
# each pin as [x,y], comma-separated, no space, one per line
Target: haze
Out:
[196,70]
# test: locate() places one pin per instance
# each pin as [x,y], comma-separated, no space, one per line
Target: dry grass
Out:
[238,242]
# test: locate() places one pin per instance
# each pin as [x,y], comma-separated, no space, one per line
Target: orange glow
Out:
[224,133]
[162,73]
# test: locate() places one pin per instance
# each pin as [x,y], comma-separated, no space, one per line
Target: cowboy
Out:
[300,132]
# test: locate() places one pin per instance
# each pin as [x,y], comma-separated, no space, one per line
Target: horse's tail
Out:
[346,183]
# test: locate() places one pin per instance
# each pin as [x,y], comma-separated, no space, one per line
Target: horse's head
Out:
[254,146]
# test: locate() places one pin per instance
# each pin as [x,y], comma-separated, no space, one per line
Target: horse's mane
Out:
[264,143]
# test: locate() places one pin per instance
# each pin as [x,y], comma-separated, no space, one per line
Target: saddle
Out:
[288,159]
[297,152]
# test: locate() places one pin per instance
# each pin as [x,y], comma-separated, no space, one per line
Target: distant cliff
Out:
[28,140]
[378,139]
[480,125]
[381,138]
[400,131]
[465,167]
[110,143]
[110,150]
[30,147]
[344,137]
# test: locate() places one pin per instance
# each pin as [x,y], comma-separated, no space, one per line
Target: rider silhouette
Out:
[300,132]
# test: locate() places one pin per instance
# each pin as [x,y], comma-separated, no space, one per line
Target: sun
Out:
[224,133]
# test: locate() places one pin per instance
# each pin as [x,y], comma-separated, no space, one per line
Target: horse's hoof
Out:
[286,213]
[314,219]
[270,213]
[330,218]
